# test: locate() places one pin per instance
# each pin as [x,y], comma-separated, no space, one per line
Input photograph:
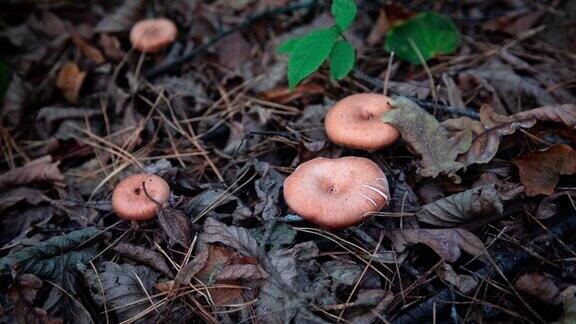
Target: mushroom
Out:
[153,35]
[139,196]
[336,193]
[355,122]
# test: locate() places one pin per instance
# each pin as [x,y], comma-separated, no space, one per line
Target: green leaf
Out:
[287,46]
[309,53]
[342,59]
[433,34]
[52,258]
[344,12]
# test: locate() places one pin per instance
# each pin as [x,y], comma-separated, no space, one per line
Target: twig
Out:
[507,261]
[170,65]
[428,105]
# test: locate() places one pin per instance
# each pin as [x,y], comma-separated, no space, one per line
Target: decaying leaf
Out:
[565,114]
[143,255]
[22,294]
[446,242]
[541,170]
[70,80]
[462,207]
[464,283]
[123,287]
[12,197]
[41,169]
[276,305]
[207,201]
[428,138]
[268,190]
[539,286]
[568,296]
[236,237]
[14,225]
[176,225]
[52,258]
[122,18]
[485,145]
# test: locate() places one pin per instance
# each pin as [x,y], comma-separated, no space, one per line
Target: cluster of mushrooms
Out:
[338,193]
[334,193]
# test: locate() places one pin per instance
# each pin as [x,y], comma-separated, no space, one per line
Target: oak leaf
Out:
[541,170]
[428,138]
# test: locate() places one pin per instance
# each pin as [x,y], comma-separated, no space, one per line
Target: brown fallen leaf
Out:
[464,283]
[70,80]
[565,114]
[122,18]
[428,138]
[539,286]
[233,50]
[448,243]
[41,169]
[485,146]
[514,22]
[462,207]
[87,49]
[541,170]
[111,47]
[283,95]
[219,258]
[379,29]
[145,256]
[176,225]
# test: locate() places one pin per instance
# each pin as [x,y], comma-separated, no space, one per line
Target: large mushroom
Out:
[153,35]
[336,193]
[139,196]
[355,122]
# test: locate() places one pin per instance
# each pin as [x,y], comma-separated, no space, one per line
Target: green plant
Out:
[307,53]
[427,34]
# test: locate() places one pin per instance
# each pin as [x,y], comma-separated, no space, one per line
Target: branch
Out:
[170,65]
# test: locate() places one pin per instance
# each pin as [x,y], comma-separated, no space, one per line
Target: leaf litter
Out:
[481,207]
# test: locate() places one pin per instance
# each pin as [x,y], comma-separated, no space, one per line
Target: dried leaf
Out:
[347,273]
[70,80]
[41,169]
[143,255]
[15,225]
[516,90]
[454,95]
[87,49]
[462,207]
[122,18]
[268,190]
[123,287]
[12,197]
[568,296]
[16,98]
[22,294]
[236,237]
[111,46]
[539,286]
[233,50]
[565,114]
[485,146]
[541,170]
[274,304]
[464,283]
[52,258]
[176,225]
[514,22]
[446,242]
[207,202]
[428,138]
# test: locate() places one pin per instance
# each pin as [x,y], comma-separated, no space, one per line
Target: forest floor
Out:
[493,240]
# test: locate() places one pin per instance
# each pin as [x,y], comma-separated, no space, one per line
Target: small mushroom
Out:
[153,35]
[139,196]
[355,122]
[336,193]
